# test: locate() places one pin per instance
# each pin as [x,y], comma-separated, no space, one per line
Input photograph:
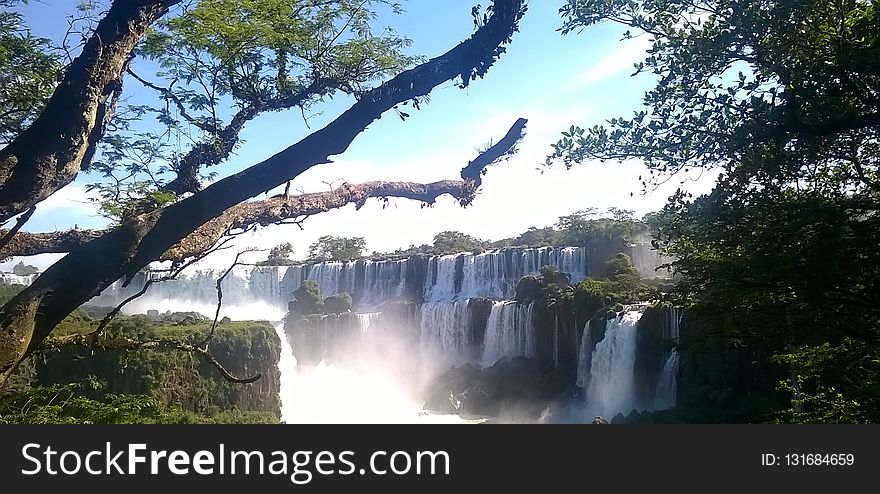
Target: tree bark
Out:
[266,212]
[49,154]
[27,319]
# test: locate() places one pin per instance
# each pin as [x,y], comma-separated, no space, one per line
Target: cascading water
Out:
[510,332]
[492,274]
[16,279]
[286,369]
[363,373]
[585,353]
[440,282]
[365,321]
[611,388]
[445,329]
[665,395]
[368,381]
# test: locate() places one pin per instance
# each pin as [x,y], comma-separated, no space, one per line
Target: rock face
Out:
[514,389]
[528,289]
[337,304]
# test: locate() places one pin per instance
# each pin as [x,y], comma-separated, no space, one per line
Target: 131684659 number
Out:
[808,459]
[818,459]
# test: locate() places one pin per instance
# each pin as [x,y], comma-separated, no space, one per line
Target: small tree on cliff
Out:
[330,248]
[451,242]
[275,55]
[280,255]
[22,269]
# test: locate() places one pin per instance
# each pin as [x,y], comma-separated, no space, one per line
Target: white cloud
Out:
[621,59]
[72,199]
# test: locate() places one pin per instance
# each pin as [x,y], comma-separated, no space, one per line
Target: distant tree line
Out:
[580,229]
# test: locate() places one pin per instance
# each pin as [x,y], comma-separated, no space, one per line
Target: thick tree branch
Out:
[283,207]
[27,319]
[31,244]
[48,155]
[220,146]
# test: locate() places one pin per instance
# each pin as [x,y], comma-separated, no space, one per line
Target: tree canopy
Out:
[29,69]
[330,248]
[781,98]
[450,242]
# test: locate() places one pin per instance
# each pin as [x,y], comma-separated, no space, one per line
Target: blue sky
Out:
[553,80]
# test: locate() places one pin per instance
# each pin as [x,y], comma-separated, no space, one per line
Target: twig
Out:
[18,224]
[204,343]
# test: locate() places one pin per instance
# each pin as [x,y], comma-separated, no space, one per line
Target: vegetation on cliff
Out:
[70,381]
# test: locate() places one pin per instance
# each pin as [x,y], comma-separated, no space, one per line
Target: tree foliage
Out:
[280,255]
[222,64]
[29,71]
[307,299]
[331,248]
[452,242]
[771,92]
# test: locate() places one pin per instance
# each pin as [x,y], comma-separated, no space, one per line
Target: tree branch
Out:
[49,154]
[8,235]
[221,145]
[167,93]
[283,207]
[31,244]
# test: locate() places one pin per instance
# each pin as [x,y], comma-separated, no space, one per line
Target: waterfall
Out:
[667,384]
[510,332]
[383,280]
[584,357]
[494,274]
[611,388]
[16,279]
[286,369]
[665,395]
[365,321]
[491,274]
[440,282]
[445,327]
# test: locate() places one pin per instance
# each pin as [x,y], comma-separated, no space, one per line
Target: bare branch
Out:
[204,343]
[175,272]
[7,236]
